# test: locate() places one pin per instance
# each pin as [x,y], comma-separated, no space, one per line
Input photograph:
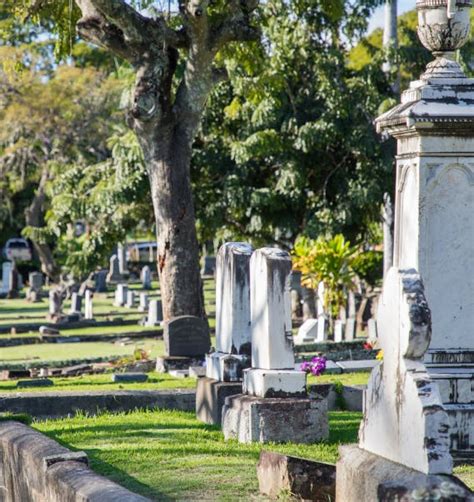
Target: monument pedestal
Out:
[210,398]
[274,383]
[226,367]
[165,364]
[252,419]
[364,476]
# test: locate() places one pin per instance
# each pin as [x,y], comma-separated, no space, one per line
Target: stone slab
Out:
[129,377]
[37,382]
[304,479]
[179,373]
[251,419]
[166,364]
[274,383]
[363,476]
[210,398]
[357,366]
[197,371]
[186,336]
[63,404]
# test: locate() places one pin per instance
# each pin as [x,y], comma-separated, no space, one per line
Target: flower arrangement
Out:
[315,367]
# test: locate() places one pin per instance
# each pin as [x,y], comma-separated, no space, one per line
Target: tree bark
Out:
[34,217]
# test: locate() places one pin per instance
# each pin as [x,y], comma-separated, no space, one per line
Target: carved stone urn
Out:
[444,27]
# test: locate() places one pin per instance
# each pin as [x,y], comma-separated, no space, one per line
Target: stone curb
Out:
[62,404]
[35,467]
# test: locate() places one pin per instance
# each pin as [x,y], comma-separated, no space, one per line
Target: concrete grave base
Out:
[304,479]
[36,468]
[252,419]
[210,398]
[274,383]
[167,363]
[363,476]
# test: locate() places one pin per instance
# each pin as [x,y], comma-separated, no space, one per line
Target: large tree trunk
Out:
[34,217]
[168,158]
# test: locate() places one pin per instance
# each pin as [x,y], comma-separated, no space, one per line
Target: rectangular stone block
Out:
[129,377]
[186,336]
[304,479]
[210,398]
[274,383]
[252,419]
[225,367]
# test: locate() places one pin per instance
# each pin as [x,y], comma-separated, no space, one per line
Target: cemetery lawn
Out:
[169,455]
[156,381]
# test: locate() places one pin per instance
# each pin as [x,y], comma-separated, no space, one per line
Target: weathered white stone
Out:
[233,298]
[322,329]
[6,271]
[121,295]
[54,303]
[274,383]
[307,333]
[88,307]
[272,339]
[144,301]
[404,420]
[372,330]
[320,299]
[130,303]
[338,331]
[155,313]
[350,329]
[224,367]
[146,277]
[122,259]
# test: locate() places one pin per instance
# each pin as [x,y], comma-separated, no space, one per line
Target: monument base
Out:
[210,398]
[252,419]
[274,383]
[166,363]
[361,475]
[226,367]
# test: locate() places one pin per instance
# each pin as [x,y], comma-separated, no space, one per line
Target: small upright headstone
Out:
[372,330]
[146,277]
[121,295]
[55,303]
[14,282]
[36,280]
[338,331]
[320,293]
[209,266]
[88,308]
[122,259]
[308,332]
[186,336]
[130,300]
[6,269]
[309,303]
[144,302]
[155,313]
[114,271]
[322,328]
[101,281]
[350,329]
[76,304]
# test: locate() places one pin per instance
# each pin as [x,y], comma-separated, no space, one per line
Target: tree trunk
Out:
[34,216]
[168,158]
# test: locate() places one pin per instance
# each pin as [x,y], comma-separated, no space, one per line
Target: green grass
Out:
[156,381]
[343,378]
[167,455]
[73,351]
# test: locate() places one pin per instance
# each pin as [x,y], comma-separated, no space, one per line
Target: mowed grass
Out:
[169,455]
[103,382]
[51,352]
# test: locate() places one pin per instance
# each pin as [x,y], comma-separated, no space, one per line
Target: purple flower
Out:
[316,366]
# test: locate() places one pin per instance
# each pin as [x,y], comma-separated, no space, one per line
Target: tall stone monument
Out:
[274,404]
[114,275]
[419,405]
[233,337]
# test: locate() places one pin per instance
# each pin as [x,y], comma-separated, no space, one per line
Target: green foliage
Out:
[369,267]
[329,261]
[24,418]
[288,145]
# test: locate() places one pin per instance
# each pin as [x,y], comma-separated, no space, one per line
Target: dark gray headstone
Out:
[36,280]
[129,377]
[40,382]
[101,281]
[209,266]
[186,336]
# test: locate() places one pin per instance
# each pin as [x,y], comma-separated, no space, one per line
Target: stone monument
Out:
[224,366]
[274,404]
[121,295]
[155,313]
[419,405]
[6,268]
[143,302]
[122,259]
[130,303]
[88,305]
[146,277]
[101,281]
[114,275]
[76,304]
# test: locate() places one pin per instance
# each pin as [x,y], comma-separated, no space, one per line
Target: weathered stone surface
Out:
[130,299]
[226,367]
[47,330]
[209,266]
[144,302]
[129,377]
[62,404]
[363,476]
[179,373]
[210,398]
[88,305]
[252,419]
[402,404]
[155,313]
[36,468]
[121,295]
[36,382]
[114,272]
[76,304]
[101,281]
[145,276]
[307,333]
[197,371]
[274,383]
[165,364]
[186,336]
[304,479]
